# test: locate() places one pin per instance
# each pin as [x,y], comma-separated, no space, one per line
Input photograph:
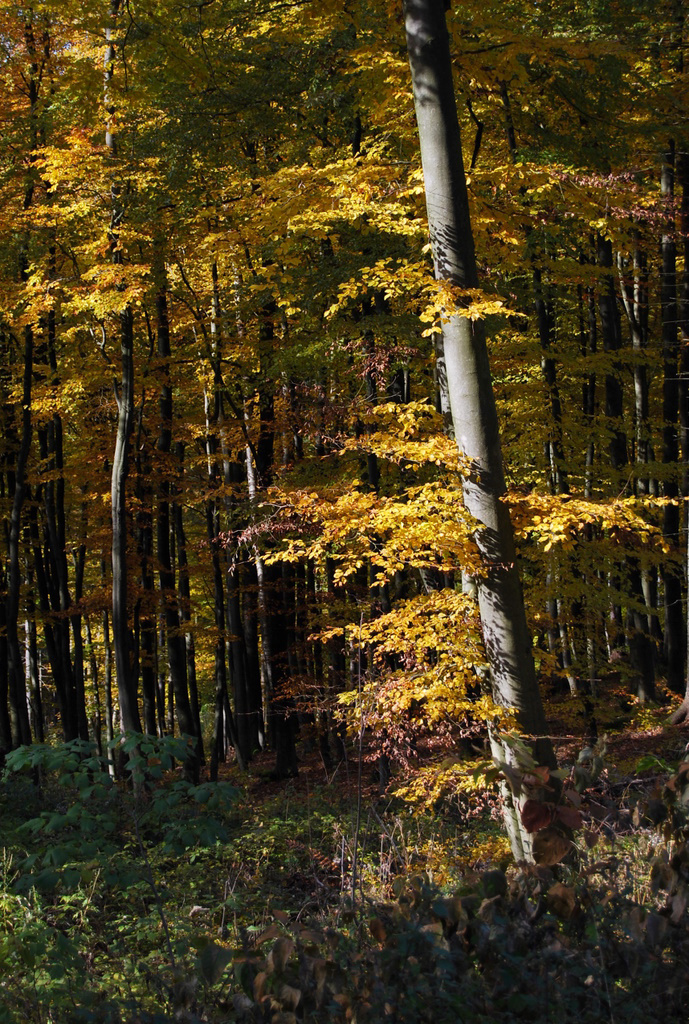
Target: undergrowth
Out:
[162,901]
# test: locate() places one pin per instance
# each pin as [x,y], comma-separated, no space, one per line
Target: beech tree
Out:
[474,416]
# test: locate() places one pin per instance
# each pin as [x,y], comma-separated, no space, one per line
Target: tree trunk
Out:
[121,635]
[506,636]
[19,714]
[176,646]
[224,725]
[675,623]
[185,609]
[640,644]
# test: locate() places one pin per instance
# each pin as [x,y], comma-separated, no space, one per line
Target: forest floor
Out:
[316,900]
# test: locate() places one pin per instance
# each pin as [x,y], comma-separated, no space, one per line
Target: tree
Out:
[474,416]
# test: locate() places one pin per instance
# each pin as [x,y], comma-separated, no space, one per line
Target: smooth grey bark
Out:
[634,293]
[506,636]
[611,332]
[107,681]
[121,634]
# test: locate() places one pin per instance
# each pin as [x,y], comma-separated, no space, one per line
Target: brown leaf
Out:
[590,838]
[561,900]
[280,953]
[290,997]
[550,847]
[271,932]
[536,815]
[573,797]
[260,985]
[598,812]
[569,817]
[377,929]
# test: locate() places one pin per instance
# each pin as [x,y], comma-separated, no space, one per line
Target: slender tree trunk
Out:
[5,721]
[127,683]
[107,679]
[176,647]
[33,667]
[682,712]
[506,636]
[185,625]
[281,719]
[121,634]
[19,714]
[97,720]
[224,726]
[675,622]
[232,477]
[640,645]
[612,342]
[253,660]
[79,560]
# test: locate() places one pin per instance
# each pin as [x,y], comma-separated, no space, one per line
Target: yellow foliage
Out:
[562,521]
[427,527]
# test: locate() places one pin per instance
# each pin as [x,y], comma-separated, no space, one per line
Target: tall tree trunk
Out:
[185,609]
[145,618]
[224,728]
[506,636]
[5,722]
[127,682]
[281,719]
[675,622]
[232,477]
[640,645]
[19,714]
[107,681]
[612,342]
[122,639]
[33,668]
[176,647]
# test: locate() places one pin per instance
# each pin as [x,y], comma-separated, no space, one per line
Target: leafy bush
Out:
[86,925]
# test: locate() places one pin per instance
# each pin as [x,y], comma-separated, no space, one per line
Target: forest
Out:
[344,475]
